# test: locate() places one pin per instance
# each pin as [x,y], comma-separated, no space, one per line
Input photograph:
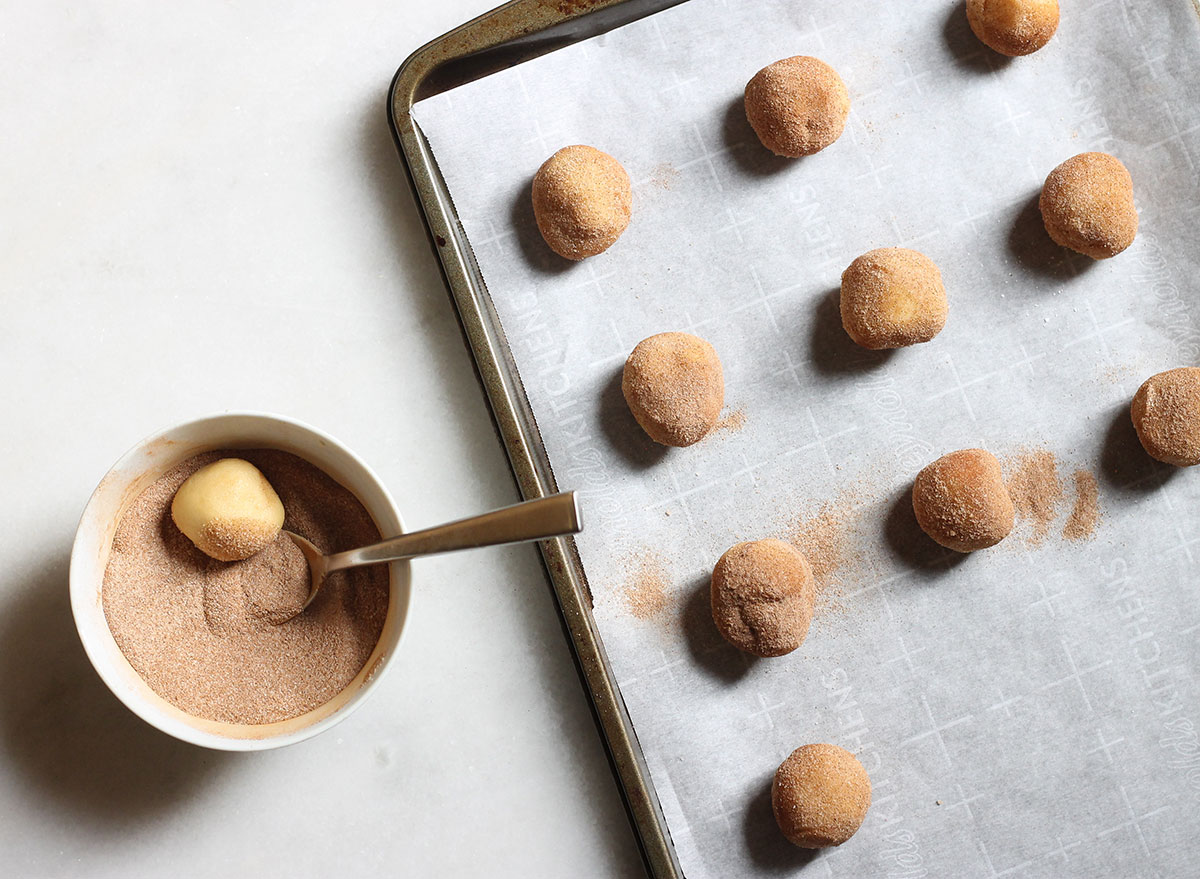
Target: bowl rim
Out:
[82,587]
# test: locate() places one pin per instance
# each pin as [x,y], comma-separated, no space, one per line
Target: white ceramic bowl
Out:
[131,475]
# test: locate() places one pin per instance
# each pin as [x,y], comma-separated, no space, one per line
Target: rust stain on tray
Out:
[571,7]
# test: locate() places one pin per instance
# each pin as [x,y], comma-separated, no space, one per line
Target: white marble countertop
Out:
[202,210]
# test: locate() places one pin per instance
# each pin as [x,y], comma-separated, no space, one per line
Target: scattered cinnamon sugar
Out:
[1040,496]
[1036,491]
[825,538]
[733,422]
[1119,374]
[1086,513]
[663,176]
[646,591]
[823,541]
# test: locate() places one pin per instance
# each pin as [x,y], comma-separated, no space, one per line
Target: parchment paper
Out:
[1025,711]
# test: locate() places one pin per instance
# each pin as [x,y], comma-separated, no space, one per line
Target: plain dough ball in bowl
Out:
[961,501]
[675,387]
[1087,205]
[893,297]
[1013,27]
[1166,415]
[582,201]
[762,597]
[228,509]
[820,796]
[797,106]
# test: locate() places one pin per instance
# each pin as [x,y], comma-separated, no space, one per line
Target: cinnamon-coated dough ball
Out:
[675,388]
[797,106]
[1087,205]
[961,501]
[893,297]
[820,796]
[228,509]
[1013,27]
[762,597]
[1166,415]
[582,201]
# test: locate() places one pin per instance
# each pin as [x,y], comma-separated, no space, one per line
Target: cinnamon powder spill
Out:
[1036,491]
[646,591]
[199,631]
[1119,374]
[733,422]
[826,539]
[1081,525]
[663,176]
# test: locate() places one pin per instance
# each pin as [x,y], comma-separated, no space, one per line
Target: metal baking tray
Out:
[509,35]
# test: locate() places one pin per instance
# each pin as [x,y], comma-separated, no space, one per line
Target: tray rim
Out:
[496,30]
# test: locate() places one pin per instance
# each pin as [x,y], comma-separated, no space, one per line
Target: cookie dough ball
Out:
[961,501]
[797,106]
[1013,27]
[762,597]
[581,200]
[228,509]
[820,796]
[675,388]
[893,297]
[1087,205]
[1166,415]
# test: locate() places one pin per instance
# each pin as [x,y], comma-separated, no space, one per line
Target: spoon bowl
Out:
[541,519]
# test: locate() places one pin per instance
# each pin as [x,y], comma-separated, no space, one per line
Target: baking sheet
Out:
[1024,711]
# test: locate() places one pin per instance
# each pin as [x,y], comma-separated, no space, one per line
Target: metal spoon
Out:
[541,519]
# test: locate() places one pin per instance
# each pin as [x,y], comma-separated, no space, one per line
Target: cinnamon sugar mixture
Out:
[1040,496]
[200,632]
[733,422]
[1086,513]
[830,539]
[646,591]
[1036,491]
[822,538]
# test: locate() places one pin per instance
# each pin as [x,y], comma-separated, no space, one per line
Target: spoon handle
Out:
[541,519]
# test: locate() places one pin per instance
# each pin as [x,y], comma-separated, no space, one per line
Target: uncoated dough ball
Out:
[1166,415]
[762,597]
[675,388]
[582,201]
[893,297]
[820,796]
[228,509]
[797,106]
[1087,205]
[961,501]
[1013,27]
